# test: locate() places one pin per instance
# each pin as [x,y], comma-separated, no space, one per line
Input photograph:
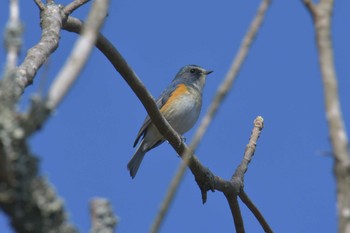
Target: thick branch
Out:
[28,199]
[322,14]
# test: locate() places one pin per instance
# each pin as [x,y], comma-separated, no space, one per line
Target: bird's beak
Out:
[208,72]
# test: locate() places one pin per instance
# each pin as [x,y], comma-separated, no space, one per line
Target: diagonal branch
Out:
[249,150]
[246,200]
[71,7]
[51,22]
[236,212]
[80,53]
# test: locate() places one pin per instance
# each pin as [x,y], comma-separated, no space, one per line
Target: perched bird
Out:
[180,103]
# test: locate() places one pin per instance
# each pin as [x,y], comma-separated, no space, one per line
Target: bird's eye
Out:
[192,71]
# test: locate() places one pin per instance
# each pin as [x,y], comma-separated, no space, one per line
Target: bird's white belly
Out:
[184,113]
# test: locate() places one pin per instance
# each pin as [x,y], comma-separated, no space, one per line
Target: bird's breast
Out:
[182,108]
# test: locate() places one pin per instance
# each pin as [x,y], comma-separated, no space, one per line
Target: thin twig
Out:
[71,7]
[81,51]
[222,91]
[250,149]
[246,200]
[236,212]
[322,16]
[238,177]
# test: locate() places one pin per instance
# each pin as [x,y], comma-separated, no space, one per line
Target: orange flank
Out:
[179,91]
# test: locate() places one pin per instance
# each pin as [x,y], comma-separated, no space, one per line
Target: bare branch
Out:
[28,199]
[322,15]
[250,149]
[238,177]
[246,200]
[221,93]
[51,23]
[80,54]
[74,5]
[236,212]
[102,217]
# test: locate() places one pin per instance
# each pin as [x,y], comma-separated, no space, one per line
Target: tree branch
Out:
[80,53]
[71,7]
[250,149]
[246,200]
[236,212]
[322,14]
[28,199]
[52,17]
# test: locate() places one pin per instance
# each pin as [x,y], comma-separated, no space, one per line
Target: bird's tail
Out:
[136,160]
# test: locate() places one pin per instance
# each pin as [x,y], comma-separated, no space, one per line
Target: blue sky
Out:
[85,146]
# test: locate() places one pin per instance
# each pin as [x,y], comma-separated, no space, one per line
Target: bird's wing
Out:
[162,99]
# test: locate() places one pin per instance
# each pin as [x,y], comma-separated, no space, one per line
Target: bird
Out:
[180,103]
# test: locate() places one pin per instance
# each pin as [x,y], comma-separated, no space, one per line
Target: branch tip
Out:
[259,122]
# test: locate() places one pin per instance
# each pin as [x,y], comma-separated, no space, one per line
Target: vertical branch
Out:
[322,14]
[236,213]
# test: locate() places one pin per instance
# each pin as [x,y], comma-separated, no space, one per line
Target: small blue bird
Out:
[180,103]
